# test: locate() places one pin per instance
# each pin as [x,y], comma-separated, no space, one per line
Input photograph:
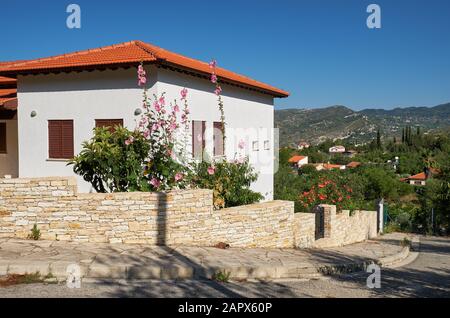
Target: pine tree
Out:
[403,135]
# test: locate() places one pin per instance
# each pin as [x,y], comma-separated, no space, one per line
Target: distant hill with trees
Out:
[356,127]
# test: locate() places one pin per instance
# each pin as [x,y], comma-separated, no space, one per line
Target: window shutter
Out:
[218,139]
[54,139]
[2,137]
[67,139]
[110,123]
[60,139]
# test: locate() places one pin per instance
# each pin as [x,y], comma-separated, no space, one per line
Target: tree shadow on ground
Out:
[416,279]
[170,257]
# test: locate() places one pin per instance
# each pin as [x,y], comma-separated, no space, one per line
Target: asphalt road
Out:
[427,276]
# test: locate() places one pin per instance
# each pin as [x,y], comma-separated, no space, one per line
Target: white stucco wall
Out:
[87,96]
[249,116]
[9,160]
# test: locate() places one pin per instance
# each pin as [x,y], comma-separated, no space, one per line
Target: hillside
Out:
[340,122]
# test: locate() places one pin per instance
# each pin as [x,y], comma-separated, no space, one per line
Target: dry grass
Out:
[16,279]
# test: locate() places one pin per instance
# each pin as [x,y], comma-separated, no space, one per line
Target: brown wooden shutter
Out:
[218,139]
[110,123]
[60,139]
[67,139]
[3,138]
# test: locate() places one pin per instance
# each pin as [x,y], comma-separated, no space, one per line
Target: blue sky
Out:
[319,50]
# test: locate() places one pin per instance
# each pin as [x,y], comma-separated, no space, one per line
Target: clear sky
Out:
[319,50]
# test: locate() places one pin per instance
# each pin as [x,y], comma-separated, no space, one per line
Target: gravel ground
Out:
[427,276]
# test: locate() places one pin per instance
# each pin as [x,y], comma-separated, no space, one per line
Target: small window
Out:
[218,139]
[3,138]
[109,123]
[266,145]
[255,146]
[60,139]
[198,138]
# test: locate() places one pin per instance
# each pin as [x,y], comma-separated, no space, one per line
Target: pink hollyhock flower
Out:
[142,76]
[155,126]
[241,144]
[142,81]
[162,101]
[146,134]
[184,93]
[157,106]
[178,177]
[173,126]
[218,90]
[213,64]
[211,171]
[214,78]
[155,182]
[141,70]
[176,108]
[129,141]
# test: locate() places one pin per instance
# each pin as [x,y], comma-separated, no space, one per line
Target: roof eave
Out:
[275,93]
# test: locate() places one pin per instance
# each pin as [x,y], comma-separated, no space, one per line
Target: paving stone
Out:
[102,260]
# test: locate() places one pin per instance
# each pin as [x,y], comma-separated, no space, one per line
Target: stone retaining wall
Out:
[340,228]
[183,217]
[179,217]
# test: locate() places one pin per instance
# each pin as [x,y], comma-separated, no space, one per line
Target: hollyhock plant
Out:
[160,125]
[218,92]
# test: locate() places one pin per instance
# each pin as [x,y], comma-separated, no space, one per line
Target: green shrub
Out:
[230,182]
[112,164]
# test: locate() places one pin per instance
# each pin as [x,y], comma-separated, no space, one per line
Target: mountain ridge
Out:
[340,122]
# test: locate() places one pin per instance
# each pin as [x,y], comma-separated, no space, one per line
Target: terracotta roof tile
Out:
[7,80]
[8,103]
[296,159]
[7,92]
[130,53]
[354,164]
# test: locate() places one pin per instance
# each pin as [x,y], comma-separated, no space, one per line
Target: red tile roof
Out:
[296,159]
[421,176]
[7,92]
[329,166]
[353,164]
[7,80]
[131,53]
[8,103]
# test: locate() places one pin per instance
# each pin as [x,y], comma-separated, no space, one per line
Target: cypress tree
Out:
[378,139]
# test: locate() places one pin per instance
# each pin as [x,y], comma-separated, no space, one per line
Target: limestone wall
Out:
[340,228]
[179,217]
[304,229]
[183,217]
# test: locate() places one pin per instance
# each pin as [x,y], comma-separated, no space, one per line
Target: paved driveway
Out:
[427,276]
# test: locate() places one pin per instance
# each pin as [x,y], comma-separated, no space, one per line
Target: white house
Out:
[336,149]
[61,99]
[298,161]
